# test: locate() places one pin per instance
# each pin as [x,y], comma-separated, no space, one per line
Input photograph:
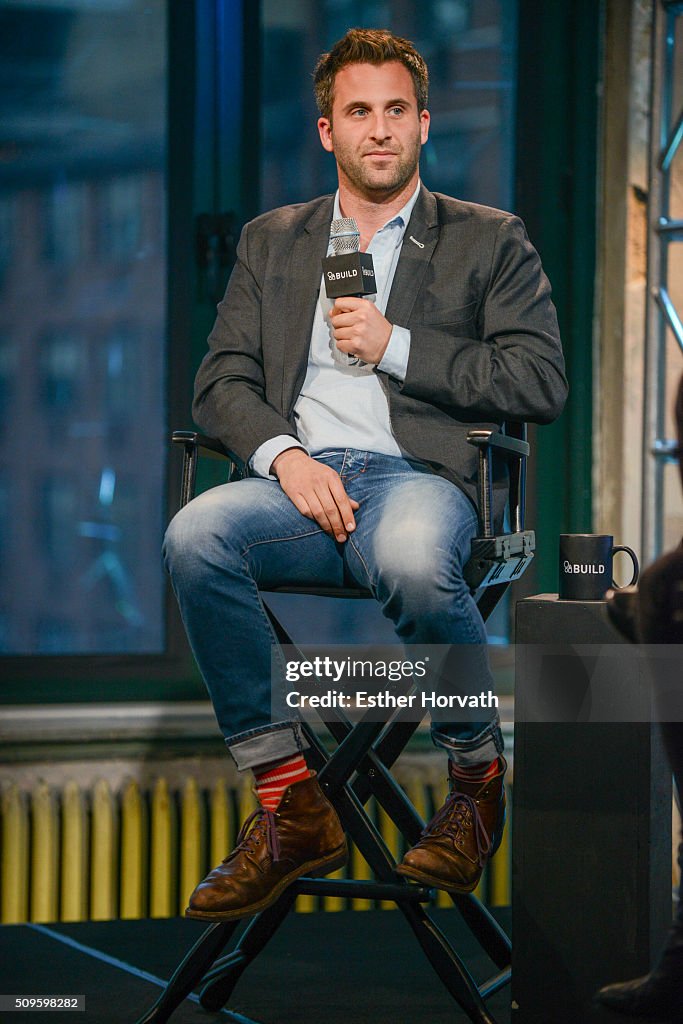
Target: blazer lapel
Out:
[419,242]
[301,295]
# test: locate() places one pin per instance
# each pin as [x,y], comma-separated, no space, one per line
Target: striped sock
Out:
[272,779]
[476,772]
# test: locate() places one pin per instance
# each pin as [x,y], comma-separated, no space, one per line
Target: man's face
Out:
[375,131]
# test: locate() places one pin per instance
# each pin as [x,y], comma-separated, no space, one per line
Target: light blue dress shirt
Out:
[345,406]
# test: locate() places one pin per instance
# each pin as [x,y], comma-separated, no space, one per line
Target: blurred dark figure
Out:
[653,614]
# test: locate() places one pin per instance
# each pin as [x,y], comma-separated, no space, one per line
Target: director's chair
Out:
[359,767]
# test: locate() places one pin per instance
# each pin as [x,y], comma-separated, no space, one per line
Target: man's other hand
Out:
[359,328]
[317,491]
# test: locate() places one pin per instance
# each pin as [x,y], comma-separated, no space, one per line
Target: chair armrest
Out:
[497,561]
[510,447]
[193,444]
[211,444]
[509,443]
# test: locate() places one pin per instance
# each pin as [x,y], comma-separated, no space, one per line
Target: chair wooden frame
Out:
[360,767]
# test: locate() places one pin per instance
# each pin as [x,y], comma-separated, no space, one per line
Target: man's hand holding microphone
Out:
[360,332]
[359,329]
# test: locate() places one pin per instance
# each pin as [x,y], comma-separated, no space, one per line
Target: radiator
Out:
[75,854]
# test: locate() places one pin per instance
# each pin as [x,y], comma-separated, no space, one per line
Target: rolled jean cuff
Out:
[269,743]
[481,749]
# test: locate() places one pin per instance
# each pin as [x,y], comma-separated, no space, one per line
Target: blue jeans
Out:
[412,538]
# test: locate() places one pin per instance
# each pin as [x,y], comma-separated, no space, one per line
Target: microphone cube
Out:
[350,274]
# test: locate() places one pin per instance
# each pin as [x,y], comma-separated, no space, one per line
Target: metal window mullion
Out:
[657,265]
[666,321]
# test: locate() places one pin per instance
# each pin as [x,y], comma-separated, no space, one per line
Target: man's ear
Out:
[325,132]
[424,126]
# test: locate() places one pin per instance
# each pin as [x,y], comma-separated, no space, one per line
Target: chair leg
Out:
[226,972]
[447,964]
[486,930]
[490,598]
[353,818]
[190,971]
[375,778]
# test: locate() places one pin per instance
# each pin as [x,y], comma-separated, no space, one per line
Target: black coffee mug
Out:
[586,565]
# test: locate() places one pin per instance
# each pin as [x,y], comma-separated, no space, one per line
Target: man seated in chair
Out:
[358,468]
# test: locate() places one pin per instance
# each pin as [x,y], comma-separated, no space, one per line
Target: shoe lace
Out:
[460,809]
[263,820]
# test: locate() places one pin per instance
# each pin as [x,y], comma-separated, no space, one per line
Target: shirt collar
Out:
[402,217]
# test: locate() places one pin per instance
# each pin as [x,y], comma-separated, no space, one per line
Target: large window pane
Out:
[82,325]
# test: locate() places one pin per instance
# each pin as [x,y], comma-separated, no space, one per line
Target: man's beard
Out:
[387,181]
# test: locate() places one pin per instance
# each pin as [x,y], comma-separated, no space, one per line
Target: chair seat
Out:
[348,592]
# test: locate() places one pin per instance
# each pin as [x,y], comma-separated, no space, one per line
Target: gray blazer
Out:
[484,344]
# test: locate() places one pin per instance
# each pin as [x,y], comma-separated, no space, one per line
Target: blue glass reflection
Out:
[82,331]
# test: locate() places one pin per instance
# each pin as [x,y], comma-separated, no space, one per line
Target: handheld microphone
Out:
[347,272]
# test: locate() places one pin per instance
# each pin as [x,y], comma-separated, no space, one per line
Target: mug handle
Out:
[634,559]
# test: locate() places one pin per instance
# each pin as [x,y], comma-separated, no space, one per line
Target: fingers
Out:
[360,328]
[312,507]
[347,328]
[327,515]
[300,502]
[318,493]
[342,320]
[347,317]
[331,507]
[348,322]
[343,504]
[347,304]
[345,333]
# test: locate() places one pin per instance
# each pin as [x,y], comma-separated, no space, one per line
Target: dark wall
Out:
[558,97]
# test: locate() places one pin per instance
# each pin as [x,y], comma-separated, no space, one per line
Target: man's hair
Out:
[368,46]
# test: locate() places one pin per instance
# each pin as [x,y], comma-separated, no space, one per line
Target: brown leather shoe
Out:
[302,837]
[461,837]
